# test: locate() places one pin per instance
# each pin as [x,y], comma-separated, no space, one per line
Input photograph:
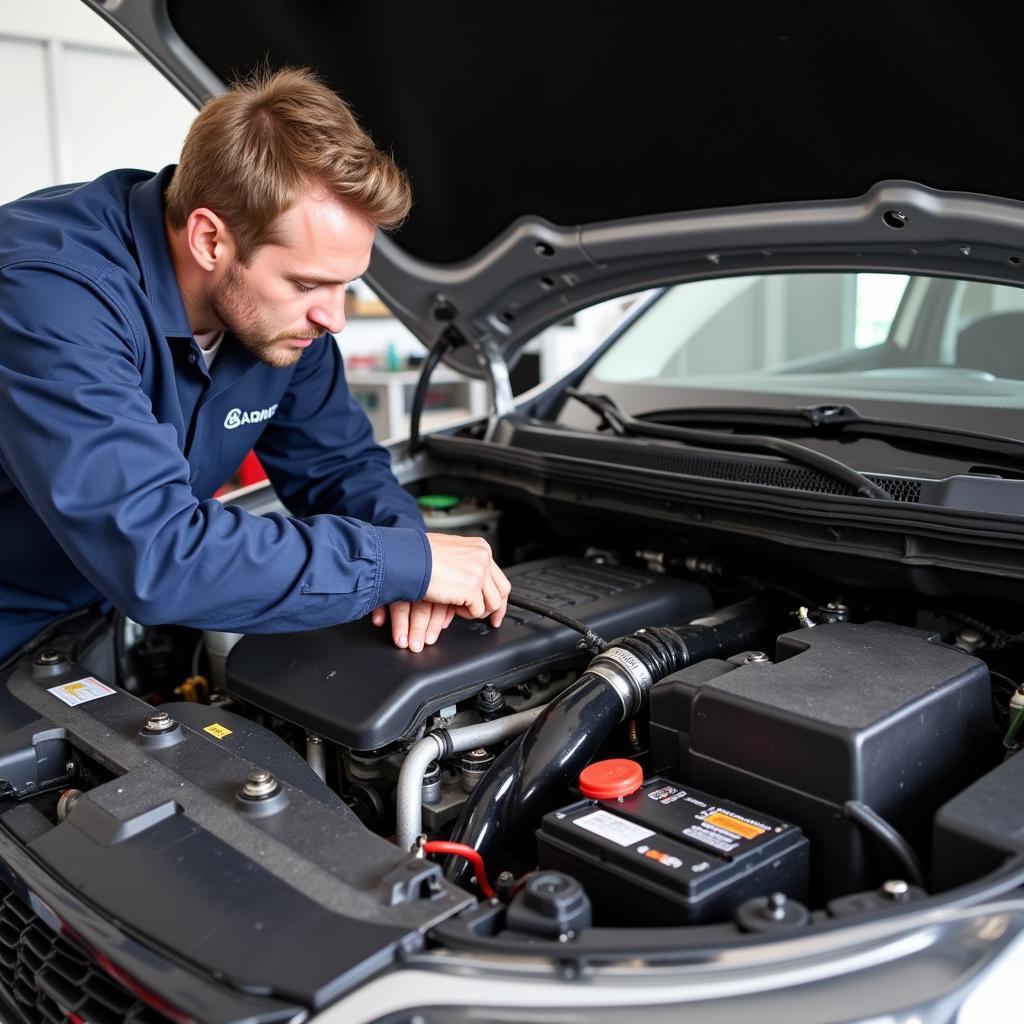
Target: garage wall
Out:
[77,100]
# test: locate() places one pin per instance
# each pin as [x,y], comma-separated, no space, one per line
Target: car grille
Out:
[45,977]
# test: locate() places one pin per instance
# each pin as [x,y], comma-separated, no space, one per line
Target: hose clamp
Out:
[620,684]
[637,671]
[627,674]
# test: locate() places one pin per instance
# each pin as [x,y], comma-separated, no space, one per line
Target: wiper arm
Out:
[625,426]
[833,421]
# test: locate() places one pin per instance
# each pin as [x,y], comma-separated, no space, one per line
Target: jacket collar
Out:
[146,217]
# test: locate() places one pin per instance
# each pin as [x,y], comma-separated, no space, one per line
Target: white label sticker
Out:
[81,690]
[618,830]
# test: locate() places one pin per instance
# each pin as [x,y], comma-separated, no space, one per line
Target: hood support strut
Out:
[495,370]
[499,383]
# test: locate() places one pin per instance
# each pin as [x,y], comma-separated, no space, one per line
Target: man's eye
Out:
[304,287]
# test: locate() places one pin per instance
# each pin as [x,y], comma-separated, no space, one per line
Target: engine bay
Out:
[780,773]
[650,740]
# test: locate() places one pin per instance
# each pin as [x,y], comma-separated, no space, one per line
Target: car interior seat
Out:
[993,343]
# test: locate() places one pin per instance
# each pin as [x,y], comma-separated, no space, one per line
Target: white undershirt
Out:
[209,343]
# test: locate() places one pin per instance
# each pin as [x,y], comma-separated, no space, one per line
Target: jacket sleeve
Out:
[319,450]
[79,439]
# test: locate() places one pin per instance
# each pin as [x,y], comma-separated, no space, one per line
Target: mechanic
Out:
[156,327]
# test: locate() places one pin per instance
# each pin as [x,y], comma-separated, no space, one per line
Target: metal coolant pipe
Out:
[530,777]
[436,746]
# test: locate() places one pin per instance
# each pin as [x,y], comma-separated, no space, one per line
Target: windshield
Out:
[827,336]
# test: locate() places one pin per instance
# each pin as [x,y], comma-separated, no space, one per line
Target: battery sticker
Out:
[662,858]
[710,838]
[731,824]
[216,730]
[81,690]
[609,826]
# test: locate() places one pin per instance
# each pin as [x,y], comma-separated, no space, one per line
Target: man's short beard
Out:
[233,305]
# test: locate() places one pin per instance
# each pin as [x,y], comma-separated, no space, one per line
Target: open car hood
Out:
[564,154]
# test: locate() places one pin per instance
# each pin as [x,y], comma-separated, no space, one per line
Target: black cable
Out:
[591,641]
[625,425]
[885,833]
[447,340]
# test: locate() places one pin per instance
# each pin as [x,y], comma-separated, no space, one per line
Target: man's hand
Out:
[465,575]
[464,581]
[413,625]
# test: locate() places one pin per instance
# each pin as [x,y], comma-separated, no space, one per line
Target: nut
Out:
[160,721]
[259,784]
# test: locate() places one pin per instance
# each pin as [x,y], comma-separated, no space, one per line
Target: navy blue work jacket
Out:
[114,437]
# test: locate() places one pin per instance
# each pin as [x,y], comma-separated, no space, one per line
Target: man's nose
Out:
[329,314]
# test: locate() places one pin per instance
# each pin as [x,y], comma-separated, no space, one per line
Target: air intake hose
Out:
[529,778]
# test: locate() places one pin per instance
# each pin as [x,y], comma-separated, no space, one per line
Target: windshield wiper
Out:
[835,421]
[628,426]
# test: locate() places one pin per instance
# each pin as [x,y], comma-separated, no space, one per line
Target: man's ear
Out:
[209,239]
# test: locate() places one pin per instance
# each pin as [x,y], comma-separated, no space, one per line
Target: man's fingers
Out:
[503,588]
[379,616]
[400,623]
[438,613]
[448,615]
[419,616]
[492,597]
[477,607]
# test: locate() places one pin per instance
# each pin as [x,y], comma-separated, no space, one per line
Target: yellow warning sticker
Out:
[734,825]
[216,731]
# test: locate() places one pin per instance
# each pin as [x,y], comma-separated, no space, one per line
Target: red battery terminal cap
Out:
[606,780]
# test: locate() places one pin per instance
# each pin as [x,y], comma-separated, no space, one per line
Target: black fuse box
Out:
[672,855]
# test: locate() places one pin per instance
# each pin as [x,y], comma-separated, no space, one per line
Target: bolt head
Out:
[776,906]
[160,721]
[49,657]
[895,888]
[259,784]
[67,800]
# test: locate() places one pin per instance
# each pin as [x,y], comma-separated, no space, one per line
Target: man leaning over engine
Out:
[156,327]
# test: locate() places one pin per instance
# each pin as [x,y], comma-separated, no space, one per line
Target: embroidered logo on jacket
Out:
[237,418]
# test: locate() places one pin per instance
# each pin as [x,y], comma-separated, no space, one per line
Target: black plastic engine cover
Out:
[351,685]
[877,713]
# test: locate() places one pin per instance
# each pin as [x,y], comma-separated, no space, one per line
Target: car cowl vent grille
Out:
[736,470]
[44,976]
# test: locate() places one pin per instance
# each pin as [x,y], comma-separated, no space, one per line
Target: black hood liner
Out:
[582,111]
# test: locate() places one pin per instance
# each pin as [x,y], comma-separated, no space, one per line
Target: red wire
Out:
[462,850]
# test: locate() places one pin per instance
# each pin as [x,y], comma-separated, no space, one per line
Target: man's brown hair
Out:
[253,151]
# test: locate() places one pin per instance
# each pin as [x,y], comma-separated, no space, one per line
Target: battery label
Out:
[711,838]
[614,828]
[731,824]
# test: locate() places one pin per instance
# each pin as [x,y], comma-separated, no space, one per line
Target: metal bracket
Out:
[500,385]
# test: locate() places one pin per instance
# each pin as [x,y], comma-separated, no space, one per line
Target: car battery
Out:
[672,855]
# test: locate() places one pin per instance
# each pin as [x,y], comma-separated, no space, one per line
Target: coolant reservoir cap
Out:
[437,502]
[606,780]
